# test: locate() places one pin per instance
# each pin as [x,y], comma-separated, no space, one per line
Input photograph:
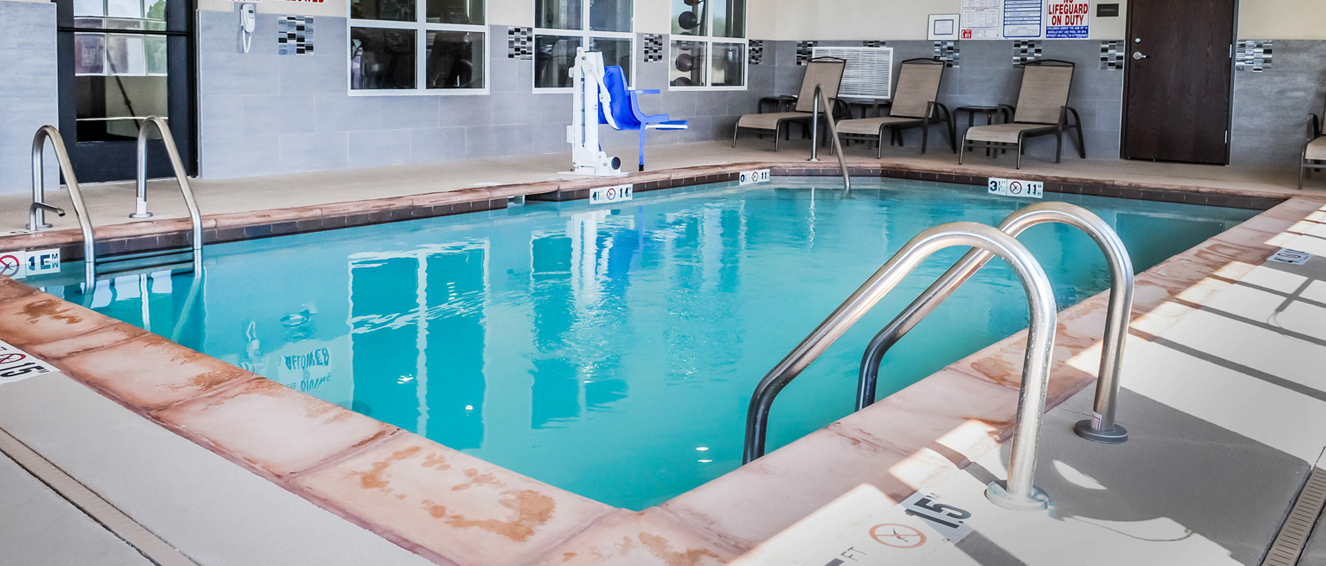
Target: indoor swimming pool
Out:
[611,350]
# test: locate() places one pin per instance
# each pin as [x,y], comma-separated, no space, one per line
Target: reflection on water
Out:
[612,352]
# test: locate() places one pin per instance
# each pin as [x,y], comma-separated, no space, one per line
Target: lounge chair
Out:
[914,105]
[1314,151]
[826,71]
[1042,109]
[626,112]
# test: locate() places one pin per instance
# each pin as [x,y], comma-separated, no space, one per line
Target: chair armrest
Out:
[1314,127]
[1008,112]
[646,91]
[943,111]
[1064,118]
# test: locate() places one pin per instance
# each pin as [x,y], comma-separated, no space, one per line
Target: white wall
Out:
[1282,19]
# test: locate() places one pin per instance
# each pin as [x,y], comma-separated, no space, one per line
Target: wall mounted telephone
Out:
[248,20]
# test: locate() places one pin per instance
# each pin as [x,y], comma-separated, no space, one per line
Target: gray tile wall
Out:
[1271,108]
[263,113]
[27,89]
[985,76]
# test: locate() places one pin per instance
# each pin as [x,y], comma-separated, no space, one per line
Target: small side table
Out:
[972,111]
[869,109]
[782,103]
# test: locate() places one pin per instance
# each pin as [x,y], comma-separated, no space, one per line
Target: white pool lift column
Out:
[589,93]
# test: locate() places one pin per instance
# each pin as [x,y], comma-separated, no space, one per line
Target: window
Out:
[561,26]
[418,46]
[708,48]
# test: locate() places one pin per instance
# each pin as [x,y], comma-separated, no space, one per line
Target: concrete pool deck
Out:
[453,509]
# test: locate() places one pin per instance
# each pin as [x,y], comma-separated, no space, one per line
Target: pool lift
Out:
[595,89]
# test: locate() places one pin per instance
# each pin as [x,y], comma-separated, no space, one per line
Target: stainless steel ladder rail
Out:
[181,177]
[39,207]
[1019,492]
[821,98]
[1102,428]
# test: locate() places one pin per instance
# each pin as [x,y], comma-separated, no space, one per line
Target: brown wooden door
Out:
[1177,99]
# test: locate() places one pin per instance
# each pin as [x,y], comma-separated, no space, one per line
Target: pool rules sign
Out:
[1016,188]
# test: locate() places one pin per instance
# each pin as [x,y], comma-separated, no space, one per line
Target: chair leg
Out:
[1302,170]
[1021,151]
[1058,147]
[736,132]
[962,150]
[1081,143]
[925,137]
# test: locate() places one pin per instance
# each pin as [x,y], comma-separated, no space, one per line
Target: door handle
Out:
[1138,56]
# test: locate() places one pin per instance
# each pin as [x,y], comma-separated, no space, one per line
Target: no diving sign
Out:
[11,264]
[15,364]
[604,195]
[1016,188]
[864,528]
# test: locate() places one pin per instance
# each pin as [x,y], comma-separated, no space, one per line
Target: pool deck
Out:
[1221,392]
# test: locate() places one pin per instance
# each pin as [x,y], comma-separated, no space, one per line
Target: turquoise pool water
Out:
[611,351]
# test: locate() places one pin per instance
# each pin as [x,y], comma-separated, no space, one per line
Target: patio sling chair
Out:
[914,105]
[1314,151]
[1042,109]
[626,112]
[826,71]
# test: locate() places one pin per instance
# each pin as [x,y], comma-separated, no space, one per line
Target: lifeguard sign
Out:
[1067,19]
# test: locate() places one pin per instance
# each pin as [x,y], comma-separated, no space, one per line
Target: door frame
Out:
[1128,71]
[66,102]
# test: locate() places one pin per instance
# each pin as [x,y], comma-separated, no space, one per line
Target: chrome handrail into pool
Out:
[821,98]
[181,177]
[1100,428]
[1019,492]
[39,206]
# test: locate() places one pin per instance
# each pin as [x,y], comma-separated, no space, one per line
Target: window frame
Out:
[421,27]
[586,35]
[709,41]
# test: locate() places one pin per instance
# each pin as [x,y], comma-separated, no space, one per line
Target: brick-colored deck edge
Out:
[172,233]
[454,509]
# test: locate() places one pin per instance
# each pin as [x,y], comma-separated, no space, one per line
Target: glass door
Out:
[120,62]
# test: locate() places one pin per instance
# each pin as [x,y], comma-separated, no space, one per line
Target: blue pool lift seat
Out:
[626,112]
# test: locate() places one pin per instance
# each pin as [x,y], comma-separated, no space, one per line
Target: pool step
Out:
[1293,537]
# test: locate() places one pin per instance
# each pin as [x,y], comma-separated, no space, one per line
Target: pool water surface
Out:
[612,350]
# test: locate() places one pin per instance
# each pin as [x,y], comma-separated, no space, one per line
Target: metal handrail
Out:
[1019,491]
[1100,428]
[820,97]
[181,177]
[39,206]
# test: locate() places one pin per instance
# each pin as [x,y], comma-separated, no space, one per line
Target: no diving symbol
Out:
[10,264]
[897,536]
[11,358]
[1015,188]
[612,193]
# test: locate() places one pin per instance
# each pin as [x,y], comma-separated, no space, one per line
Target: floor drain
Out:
[1293,535]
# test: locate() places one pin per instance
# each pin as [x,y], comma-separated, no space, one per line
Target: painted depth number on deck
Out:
[1015,188]
[15,364]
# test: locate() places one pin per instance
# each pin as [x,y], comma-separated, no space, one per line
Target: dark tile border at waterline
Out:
[232,227]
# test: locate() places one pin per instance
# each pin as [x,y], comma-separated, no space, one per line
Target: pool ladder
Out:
[1019,491]
[91,262]
[822,101]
